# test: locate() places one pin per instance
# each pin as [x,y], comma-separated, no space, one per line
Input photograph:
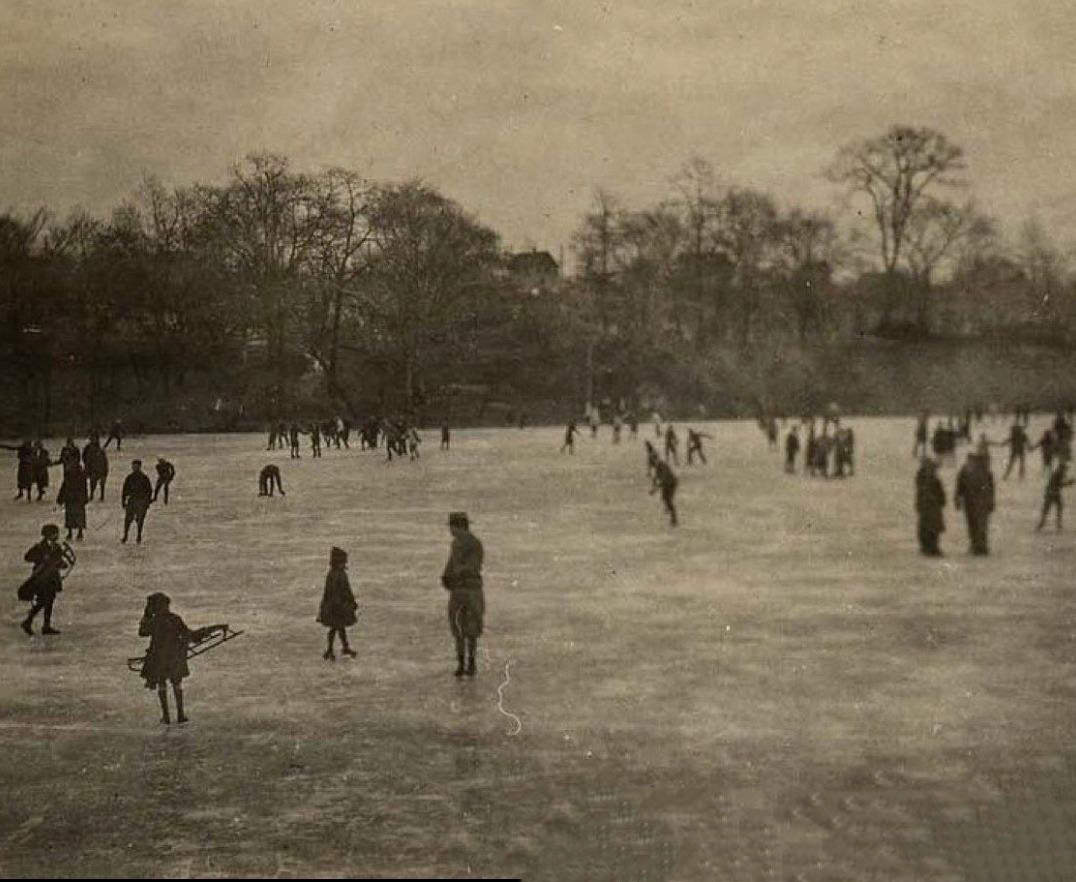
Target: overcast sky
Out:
[519,109]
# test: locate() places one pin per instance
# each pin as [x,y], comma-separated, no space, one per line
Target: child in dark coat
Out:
[166,658]
[337,610]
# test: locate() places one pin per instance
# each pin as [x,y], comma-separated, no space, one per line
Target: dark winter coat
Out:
[95,460]
[41,467]
[338,604]
[929,500]
[137,491]
[462,578]
[166,659]
[50,561]
[25,476]
[73,496]
[975,488]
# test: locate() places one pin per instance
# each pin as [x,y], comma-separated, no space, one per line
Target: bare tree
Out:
[896,172]
[810,248]
[427,277]
[748,237]
[597,243]
[341,260]
[934,232]
[267,220]
[698,200]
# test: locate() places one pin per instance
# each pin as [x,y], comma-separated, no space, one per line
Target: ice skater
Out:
[1057,481]
[41,468]
[975,496]
[95,461]
[1047,444]
[166,472]
[136,497]
[338,605]
[267,477]
[116,432]
[666,481]
[45,581]
[929,506]
[73,496]
[1017,442]
[652,458]
[166,659]
[672,445]
[293,440]
[24,476]
[462,579]
[792,449]
[694,445]
[569,438]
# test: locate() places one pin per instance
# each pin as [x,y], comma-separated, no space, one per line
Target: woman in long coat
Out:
[929,503]
[73,496]
[338,605]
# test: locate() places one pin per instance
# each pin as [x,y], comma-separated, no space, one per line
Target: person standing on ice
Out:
[1057,481]
[666,481]
[792,448]
[672,445]
[694,445]
[929,505]
[95,461]
[293,440]
[166,659]
[338,604]
[1046,444]
[569,438]
[975,496]
[136,497]
[462,579]
[1017,443]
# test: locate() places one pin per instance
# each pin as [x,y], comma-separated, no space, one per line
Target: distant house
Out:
[534,270]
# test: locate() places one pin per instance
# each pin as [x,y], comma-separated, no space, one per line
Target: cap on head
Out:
[158,600]
[136,462]
[458,519]
[50,530]
[337,556]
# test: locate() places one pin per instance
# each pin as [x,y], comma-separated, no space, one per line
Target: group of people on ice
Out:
[974,492]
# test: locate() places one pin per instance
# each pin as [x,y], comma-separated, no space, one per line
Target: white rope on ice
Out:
[500,700]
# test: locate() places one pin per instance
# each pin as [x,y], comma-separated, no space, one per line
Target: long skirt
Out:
[75,516]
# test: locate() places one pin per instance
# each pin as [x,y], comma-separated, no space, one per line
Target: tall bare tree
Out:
[268,222]
[428,275]
[896,172]
[811,249]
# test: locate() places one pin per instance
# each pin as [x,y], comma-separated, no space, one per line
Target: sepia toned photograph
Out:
[555,440]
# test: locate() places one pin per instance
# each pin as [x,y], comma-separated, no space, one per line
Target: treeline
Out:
[281,292]
[754,302]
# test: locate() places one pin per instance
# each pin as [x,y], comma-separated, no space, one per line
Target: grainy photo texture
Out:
[593,440]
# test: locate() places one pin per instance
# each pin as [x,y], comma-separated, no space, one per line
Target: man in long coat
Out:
[975,495]
[462,578]
[929,504]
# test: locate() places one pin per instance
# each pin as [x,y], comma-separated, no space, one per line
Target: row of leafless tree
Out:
[715,264]
[280,269]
